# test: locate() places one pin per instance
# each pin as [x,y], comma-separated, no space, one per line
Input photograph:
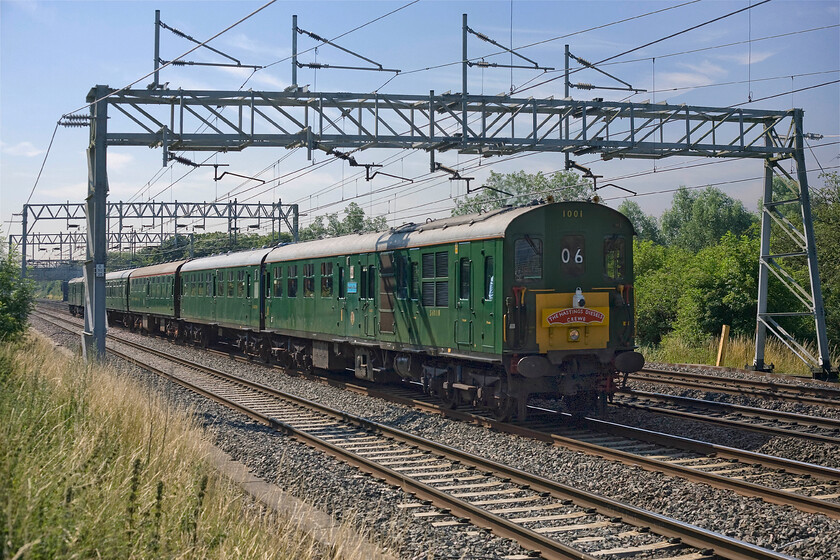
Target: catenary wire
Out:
[650,43]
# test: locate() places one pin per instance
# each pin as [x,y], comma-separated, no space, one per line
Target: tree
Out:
[645,225]
[16,300]
[699,219]
[354,221]
[826,216]
[523,188]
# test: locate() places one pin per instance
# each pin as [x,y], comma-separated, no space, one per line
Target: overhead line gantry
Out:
[196,120]
[486,125]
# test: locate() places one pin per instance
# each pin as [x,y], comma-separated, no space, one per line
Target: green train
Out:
[488,309]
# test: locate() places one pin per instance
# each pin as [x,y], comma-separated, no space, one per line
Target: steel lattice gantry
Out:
[473,124]
[159,212]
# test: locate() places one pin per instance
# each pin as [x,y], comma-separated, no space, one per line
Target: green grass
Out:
[92,466]
[740,352]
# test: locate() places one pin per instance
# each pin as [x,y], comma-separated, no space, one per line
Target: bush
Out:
[16,299]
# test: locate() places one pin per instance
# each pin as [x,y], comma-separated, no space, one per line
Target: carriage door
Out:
[387,297]
[486,288]
[353,320]
[465,314]
[368,288]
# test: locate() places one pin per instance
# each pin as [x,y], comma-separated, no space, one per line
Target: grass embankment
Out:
[91,466]
[740,351]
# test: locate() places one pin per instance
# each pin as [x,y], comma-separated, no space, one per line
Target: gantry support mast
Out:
[476,124]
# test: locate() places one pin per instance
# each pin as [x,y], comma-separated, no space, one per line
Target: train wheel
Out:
[450,398]
[503,408]
[581,404]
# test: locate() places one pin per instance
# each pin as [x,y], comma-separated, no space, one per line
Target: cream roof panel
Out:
[458,228]
[157,269]
[243,258]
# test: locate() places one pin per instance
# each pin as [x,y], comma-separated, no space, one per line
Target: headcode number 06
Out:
[566,255]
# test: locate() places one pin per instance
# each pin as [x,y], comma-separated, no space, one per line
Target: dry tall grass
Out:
[91,466]
[740,352]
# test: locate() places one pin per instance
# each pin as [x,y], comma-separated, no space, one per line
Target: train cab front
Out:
[569,315]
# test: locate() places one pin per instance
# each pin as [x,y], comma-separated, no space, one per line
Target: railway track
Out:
[827,395]
[808,487]
[761,420]
[452,487]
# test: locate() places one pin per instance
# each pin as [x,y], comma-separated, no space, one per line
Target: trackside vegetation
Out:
[15,296]
[91,466]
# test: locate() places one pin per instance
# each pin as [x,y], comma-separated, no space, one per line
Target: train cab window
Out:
[278,281]
[292,281]
[614,257]
[528,253]
[309,280]
[326,279]
[572,255]
[489,279]
[464,285]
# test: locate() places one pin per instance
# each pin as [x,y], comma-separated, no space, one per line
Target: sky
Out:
[53,52]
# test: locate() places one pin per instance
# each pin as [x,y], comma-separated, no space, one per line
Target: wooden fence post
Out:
[724,338]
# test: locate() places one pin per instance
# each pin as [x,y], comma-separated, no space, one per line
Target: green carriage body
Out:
[116,290]
[76,295]
[396,290]
[472,287]
[151,290]
[223,290]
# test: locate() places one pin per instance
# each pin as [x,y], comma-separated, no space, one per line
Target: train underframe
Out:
[583,384]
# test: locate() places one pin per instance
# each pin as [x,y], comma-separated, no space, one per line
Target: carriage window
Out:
[292,281]
[465,279]
[309,280]
[528,254]
[240,284]
[341,285]
[278,281]
[489,279]
[572,253]
[363,281]
[326,279]
[435,267]
[614,257]
[402,277]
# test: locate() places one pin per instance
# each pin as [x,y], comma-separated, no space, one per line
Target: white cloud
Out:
[75,191]
[672,80]
[25,149]
[246,43]
[118,161]
[706,68]
[748,58]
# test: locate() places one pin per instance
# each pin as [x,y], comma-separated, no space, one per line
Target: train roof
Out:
[156,270]
[488,225]
[243,258]
[119,274]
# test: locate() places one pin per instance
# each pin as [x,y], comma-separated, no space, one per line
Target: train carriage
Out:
[223,292]
[152,298]
[489,308]
[116,295]
[76,296]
